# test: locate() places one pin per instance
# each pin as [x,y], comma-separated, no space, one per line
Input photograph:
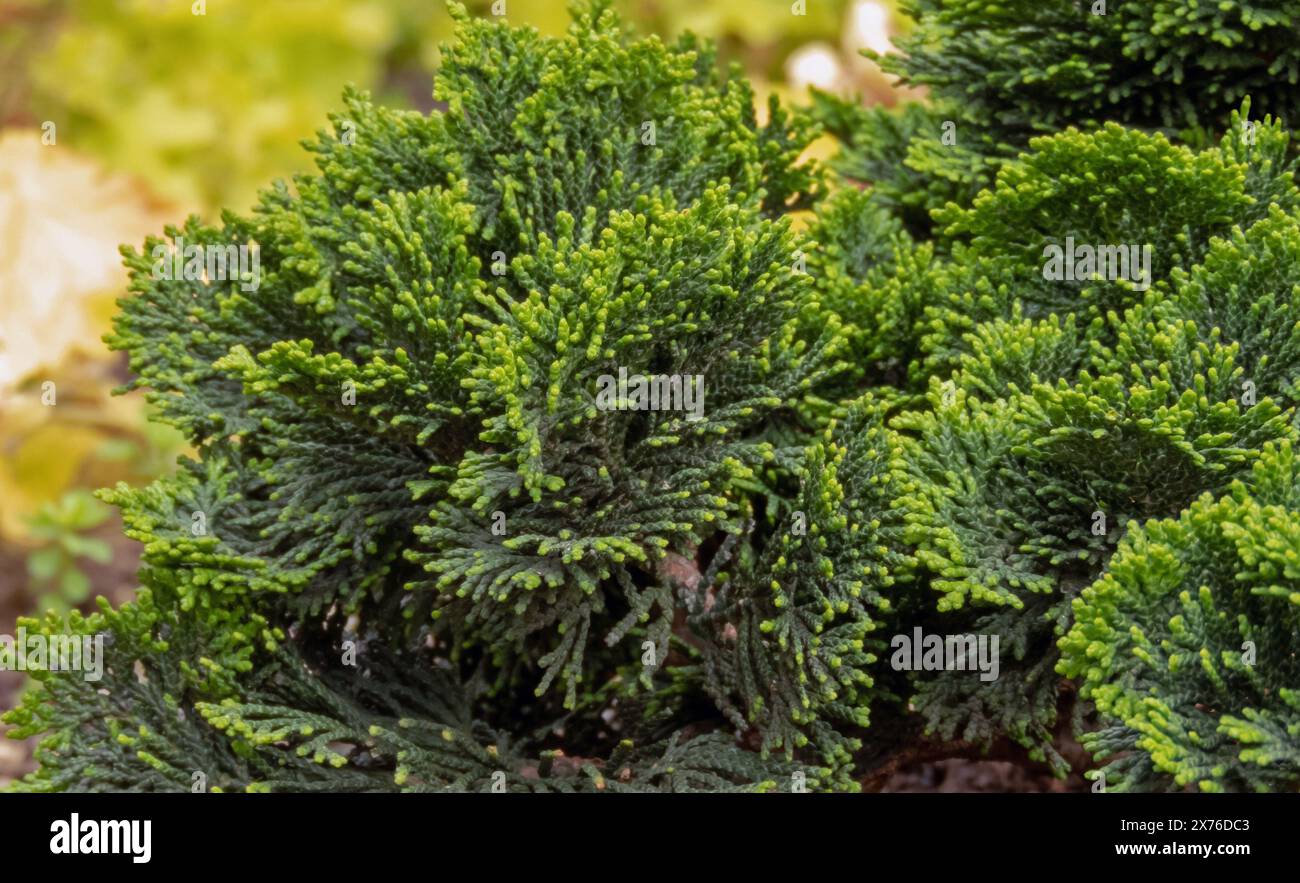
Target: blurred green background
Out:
[119,116]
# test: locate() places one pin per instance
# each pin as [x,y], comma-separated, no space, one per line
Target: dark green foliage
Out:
[1000,74]
[416,549]
[790,621]
[184,713]
[877,147]
[1187,643]
[1047,412]
[421,545]
[592,498]
[1046,65]
[970,309]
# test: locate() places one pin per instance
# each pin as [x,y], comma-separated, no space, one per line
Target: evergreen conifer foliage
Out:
[1069,415]
[448,526]
[1187,643]
[422,544]
[1000,74]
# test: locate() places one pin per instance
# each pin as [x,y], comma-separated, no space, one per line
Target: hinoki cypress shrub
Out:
[1088,338]
[543,450]
[999,74]
[416,549]
[1187,642]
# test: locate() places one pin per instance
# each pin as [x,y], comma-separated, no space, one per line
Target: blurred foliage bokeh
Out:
[120,116]
[208,108]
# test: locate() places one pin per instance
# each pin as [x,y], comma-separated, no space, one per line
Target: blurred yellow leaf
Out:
[61,221]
